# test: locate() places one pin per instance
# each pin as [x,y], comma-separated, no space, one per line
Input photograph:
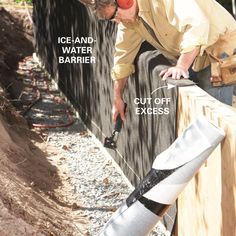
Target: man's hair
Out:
[101,4]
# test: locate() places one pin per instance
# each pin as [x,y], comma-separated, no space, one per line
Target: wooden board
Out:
[207,207]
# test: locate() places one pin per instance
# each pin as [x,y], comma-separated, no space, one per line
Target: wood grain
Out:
[207,206]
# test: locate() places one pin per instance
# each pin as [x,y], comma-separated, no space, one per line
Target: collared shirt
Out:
[179,26]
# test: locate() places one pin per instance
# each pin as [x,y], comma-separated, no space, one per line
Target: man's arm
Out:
[128,43]
[189,18]
[181,69]
[118,103]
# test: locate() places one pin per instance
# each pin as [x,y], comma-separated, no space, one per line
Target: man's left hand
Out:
[175,73]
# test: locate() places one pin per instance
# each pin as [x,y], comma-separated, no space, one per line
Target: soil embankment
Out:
[33,190]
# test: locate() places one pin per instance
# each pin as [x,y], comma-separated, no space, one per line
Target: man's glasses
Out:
[114,14]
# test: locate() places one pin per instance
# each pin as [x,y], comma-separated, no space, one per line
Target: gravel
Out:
[98,184]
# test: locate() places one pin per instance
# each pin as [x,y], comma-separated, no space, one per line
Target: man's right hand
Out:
[118,103]
[118,108]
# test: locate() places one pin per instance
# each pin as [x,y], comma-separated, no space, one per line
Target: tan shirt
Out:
[179,26]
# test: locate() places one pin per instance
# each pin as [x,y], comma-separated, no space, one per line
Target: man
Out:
[182,29]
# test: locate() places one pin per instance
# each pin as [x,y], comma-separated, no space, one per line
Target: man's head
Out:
[117,10]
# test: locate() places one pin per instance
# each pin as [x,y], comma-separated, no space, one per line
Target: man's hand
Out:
[181,69]
[118,103]
[118,108]
[175,73]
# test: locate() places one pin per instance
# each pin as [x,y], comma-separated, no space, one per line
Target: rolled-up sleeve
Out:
[128,43]
[188,18]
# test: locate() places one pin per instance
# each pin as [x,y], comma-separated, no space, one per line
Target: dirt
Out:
[15,44]
[35,196]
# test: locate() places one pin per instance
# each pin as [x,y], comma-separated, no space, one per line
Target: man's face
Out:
[117,14]
[109,12]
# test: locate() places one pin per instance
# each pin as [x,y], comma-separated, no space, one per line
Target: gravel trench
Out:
[99,186]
